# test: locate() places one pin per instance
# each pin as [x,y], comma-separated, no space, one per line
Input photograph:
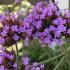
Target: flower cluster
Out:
[34,66]
[10,29]
[46,23]
[7,60]
[67,17]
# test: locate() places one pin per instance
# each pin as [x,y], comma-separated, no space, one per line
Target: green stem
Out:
[46,61]
[42,56]
[57,66]
[17,56]
[66,55]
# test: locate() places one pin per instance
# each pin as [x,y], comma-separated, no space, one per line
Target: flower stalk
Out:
[46,61]
[17,56]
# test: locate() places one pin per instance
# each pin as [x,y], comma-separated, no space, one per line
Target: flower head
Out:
[10,32]
[46,23]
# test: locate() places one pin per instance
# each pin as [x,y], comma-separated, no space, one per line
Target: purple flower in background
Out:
[10,56]
[59,20]
[6,28]
[21,29]
[52,6]
[14,28]
[38,25]
[61,28]
[52,28]
[16,37]
[2,68]
[58,13]
[25,60]
[2,48]
[15,65]
[4,33]
[35,64]
[2,40]
[26,42]
[49,13]
[38,68]
[57,34]
[2,17]
[42,65]
[27,67]
[7,59]
[68,14]
[68,31]
[0,59]
[46,23]
[10,27]
[33,68]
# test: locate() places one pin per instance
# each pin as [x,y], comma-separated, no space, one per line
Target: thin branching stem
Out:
[46,61]
[60,62]
[17,56]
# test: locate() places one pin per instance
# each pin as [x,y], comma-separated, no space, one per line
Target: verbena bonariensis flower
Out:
[67,17]
[27,66]
[7,60]
[10,29]
[46,23]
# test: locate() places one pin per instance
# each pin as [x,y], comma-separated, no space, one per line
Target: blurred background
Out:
[64,4]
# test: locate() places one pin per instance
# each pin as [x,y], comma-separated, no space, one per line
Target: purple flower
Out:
[1,59]
[10,29]
[58,13]
[38,68]
[52,6]
[26,42]
[42,65]
[58,21]
[27,67]
[14,28]
[57,34]
[2,40]
[25,60]
[33,68]
[15,65]
[10,56]
[4,33]
[2,17]
[6,27]
[68,14]
[35,64]
[16,37]
[2,68]
[68,31]
[21,29]
[58,42]
[61,28]
[45,23]
[38,25]
[2,49]
[52,28]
